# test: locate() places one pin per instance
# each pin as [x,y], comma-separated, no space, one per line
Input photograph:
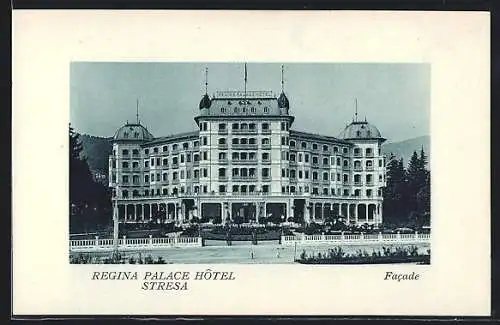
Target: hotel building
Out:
[245,160]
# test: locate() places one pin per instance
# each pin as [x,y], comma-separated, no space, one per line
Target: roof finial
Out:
[356,110]
[206,81]
[137,110]
[282,79]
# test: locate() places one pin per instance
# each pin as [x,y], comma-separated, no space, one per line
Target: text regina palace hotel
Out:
[246,160]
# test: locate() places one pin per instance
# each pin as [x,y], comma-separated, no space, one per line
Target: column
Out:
[135,212]
[366,212]
[356,213]
[142,212]
[126,213]
[257,211]
[313,211]
[166,211]
[322,211]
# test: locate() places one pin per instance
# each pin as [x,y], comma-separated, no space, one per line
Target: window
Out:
[158,161]
[292,157]
[292,174]
[205,172]
[135,164]
[292,144]
[283,142]
[135,152]
[338,177]
[158,177]
[265,188]
[146,178]
[282,172]
[369,193]
[380,162]
[175,176]
[251,126]
[335,149]
[125,152]
[303,145]
[175,160]
[204,141]
[315,190]
[266,110]
[125,164]
[165,148]
[265,172]
[300,174]
[345,150]
[325,161]
[345,178]
[152,162]
[300,157]
[265,126]
[306,158]
[315,146]
[222,126]
[325,148]
[265,156]
[165,177]
[188,157]
[315,175]
[113,164]
[155,150]
[315,160]
[146,151]
[325,191]
[325,176]
[306,174]
[125,179]
[282,126]
[182,159]
[125,193]
[165,191]
[222,172]
[205,155]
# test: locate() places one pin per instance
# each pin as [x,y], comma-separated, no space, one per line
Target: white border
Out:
[455,43]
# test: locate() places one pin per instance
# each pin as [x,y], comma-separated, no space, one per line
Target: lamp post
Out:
[115,225]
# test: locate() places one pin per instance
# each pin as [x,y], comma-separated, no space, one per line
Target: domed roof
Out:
[283,101]
[360,130]
[205,102]
[134,132]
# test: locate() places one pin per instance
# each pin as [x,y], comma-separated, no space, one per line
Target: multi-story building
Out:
[246,160]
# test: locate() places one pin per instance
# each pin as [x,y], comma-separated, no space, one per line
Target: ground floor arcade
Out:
[249,209]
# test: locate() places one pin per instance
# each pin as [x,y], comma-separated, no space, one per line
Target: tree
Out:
[90,203]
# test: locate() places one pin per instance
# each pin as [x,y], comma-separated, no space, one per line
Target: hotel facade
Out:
[246,161]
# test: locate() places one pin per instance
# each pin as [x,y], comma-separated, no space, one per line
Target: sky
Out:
[393,97]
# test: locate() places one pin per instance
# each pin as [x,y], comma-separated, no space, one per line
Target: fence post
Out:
[380,237]
[176,240]
[150,240]
[96,241]
[416,235]
[124,240]
[362,236]
[303,239]
[200,241]
[323,238]
[398,236]
[342,237]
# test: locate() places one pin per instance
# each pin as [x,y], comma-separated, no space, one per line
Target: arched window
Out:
[222,140]
[236,141]
[125,193]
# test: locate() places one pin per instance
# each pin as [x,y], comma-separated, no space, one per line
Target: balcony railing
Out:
[346,167]
[358,168]
[266,161]
[358,154]
[370,155]
[244,131]
[244,161]
[369,168]
[358,183]
[223,178]
[244,178]
[266,178]
[245,147]
[223,161]
[266,146]
[369,183]
[175,165]
[265,131]
[222,146]
[222,131]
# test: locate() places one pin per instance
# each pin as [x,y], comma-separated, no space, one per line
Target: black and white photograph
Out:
[320,163]
[228,163]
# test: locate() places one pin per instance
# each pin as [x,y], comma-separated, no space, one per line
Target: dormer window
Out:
[136,134]
[358,133]
[125,135]
[266,110]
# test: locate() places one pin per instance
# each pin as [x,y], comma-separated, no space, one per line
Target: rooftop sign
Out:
[242,94]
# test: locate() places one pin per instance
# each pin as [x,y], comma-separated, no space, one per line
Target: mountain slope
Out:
[405,148]
[97,151]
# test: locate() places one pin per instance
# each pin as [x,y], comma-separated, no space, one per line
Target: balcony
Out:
[175,165]
[222,132]
[222,146]
[245,147]
[358,183]
[266,161]
[196,163]
[244,161]
[369,168]
[175,181]
[266,146]
[346,167]
[369,183]
[223,161]
[266,131]
[223,178]
[244,178]
[266,178]
[358,154]
[245,131]
[358,168]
